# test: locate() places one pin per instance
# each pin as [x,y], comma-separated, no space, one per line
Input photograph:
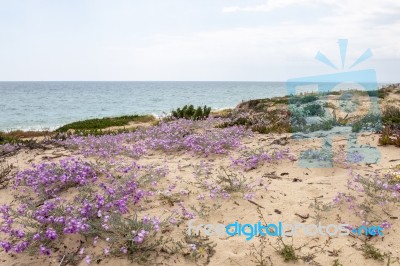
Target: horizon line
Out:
[277,81]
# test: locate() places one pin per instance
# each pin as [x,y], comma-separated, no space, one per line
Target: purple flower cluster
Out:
[139,238]
[251,159]
[48,179]
[106,146]
[198,137]
[41,223]
[370,195]
[185,213]
[354,157]
[51,234]
[109,190]
[58,217]
[8,148]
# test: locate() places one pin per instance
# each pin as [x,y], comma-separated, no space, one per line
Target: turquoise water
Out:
[47,105]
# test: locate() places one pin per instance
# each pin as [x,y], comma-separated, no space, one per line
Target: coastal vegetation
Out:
[97,190]
[106,122]
[18,136]
[191,112]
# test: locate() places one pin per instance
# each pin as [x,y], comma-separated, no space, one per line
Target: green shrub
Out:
[7,139]
[20,136]
[189,112]
[302,99]
[368,122]
[389,136]
[13,139]
[314,110]
[377,93]
[101,123]
[391,115]
[309,98]
[326,124]
[357,126]
[278,128]
[253,103]
[280,100]
[371,252]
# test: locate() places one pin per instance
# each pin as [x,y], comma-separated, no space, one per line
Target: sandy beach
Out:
[138,197]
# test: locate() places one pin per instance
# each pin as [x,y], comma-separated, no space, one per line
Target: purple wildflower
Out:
[51,234]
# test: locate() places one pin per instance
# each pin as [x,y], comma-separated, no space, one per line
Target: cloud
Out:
[338,6]
[262,53]
[244,43]
[367,23]
[272,5]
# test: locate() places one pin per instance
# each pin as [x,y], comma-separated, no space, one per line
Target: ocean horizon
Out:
[47,105]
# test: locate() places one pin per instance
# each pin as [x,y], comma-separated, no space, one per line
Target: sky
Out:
[196,40]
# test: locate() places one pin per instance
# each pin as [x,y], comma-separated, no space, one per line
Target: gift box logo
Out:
[335,109]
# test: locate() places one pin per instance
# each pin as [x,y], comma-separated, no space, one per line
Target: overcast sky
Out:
[246,40]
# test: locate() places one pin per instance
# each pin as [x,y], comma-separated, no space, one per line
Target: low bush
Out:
[101,123]
[390,136]
[68,199]
[368,122]
[273,121]
[190,112]
[391,115]
[5,139]
[303,99]
[377,93]
[314,110]
[371,196]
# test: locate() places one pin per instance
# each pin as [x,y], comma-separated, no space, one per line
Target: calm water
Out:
[47,105]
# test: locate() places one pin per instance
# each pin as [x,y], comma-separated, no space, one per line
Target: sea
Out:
[49,105]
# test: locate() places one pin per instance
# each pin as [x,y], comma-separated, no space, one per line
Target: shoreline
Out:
[130,196]
[46,112]
[40,128]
